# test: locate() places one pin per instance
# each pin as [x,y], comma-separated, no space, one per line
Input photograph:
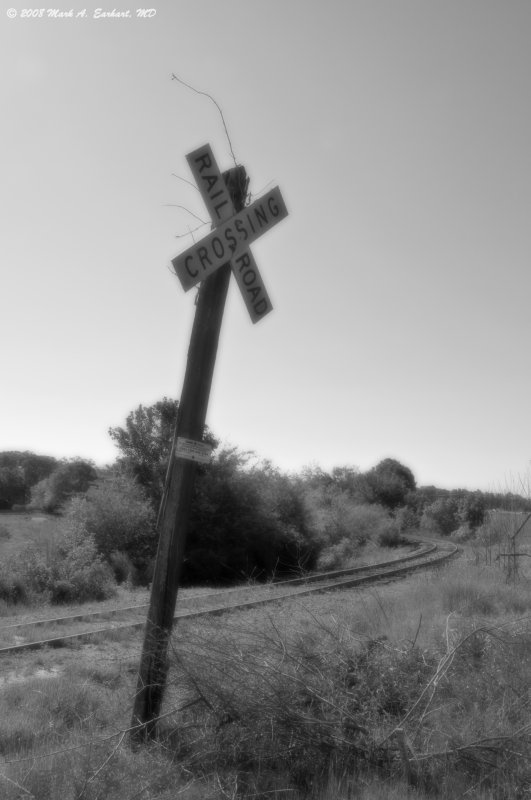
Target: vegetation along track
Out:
[24,636]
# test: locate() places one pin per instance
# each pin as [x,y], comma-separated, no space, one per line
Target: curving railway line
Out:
[60,631]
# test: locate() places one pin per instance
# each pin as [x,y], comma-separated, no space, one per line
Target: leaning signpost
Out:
[209,262]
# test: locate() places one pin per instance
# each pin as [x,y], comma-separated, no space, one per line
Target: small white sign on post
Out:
[192,450]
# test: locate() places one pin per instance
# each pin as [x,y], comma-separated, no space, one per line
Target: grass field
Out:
[19,529]
[416,689]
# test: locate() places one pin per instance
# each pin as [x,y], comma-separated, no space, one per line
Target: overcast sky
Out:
[399,133]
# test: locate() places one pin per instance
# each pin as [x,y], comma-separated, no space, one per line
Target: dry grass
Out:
[417,689]
[388,683]
[23,528]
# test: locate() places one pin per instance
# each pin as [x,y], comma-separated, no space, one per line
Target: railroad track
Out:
[27,636]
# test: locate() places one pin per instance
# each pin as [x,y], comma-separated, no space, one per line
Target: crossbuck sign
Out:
[235,227]
[232,235]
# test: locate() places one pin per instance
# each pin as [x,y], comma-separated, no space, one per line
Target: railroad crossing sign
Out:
[236,226]
[232,235]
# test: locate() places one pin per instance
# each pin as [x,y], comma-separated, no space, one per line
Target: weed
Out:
[5,533]
[347,695]
[122,567]
[390,538]
[12,589]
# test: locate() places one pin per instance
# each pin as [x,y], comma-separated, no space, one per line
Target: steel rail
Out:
[333,580]
[308,578]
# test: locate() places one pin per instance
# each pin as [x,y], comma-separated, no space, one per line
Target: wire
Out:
[206,94]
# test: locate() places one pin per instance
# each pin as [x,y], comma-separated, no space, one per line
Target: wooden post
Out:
[178,492]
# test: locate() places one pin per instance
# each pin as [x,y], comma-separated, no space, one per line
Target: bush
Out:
[406,519]
[78,573]
[342,525]
[121,519]
[390,538]
[5,533]
[305,703]
[68,479]
[92,582]
[13,590]
[389,484]
[30,566]
[62,592]
[122,566]
[442,516]
[246,522]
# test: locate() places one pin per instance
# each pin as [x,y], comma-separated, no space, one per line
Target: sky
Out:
[399,134]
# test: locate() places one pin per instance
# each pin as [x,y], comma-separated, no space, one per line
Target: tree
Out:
[145,444]
[19,472]
[389,484]
[349,479]
[71,477]
[12,487]
[247,520]
[442,515]
[471,510]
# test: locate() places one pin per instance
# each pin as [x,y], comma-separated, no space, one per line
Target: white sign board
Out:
[251,285]
[230,239]
[193,451]
[211,184]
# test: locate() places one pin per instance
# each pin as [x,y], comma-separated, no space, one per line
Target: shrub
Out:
[390,538]
[12,589]
[463,533]
[62,592]
[23,576]
[11,485]
[69,478]
[122,566]
[246,522]
[78,573]
[336,555]
[30,566]
[304,704]
[342,525]
[406,519]
[121,520]
[92,582]
[389,484]
[5,533]
[442,516]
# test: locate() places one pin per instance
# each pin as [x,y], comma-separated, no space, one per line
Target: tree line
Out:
[249,520]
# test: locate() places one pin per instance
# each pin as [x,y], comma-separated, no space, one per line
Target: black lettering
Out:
[273,207]
[261,216]
[251,274]
[188,268]
[220,205]
[254,293]
[260,307]
[203,256]
[217,247]
[243,261]
[231,240]
[251,223]
[240,227]
[205,162]
[210,180]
